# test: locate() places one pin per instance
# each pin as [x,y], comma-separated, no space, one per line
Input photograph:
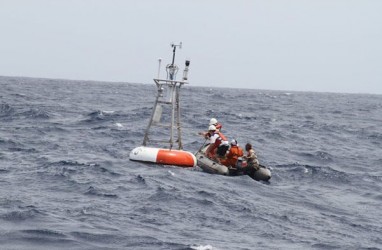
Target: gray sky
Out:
[307,45]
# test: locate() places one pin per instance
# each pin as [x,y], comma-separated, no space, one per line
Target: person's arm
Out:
[206,135]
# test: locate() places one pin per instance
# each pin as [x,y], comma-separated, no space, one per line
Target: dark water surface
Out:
[66,181]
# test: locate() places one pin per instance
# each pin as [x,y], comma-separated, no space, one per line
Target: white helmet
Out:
[211,128]
[213,121]
[233,142]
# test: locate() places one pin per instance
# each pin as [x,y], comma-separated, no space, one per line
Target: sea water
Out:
[66,181]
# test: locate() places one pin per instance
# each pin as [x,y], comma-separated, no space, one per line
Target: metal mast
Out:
[167,95]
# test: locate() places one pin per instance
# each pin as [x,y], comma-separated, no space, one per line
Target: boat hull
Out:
[178,158]
[212,167]
[263,174]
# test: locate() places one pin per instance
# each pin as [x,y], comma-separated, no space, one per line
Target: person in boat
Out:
[252,161]
[233,155]
[218,144]
[214,122]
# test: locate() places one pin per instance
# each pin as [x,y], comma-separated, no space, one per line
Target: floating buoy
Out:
[163,156]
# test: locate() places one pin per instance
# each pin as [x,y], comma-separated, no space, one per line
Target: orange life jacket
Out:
[234,153]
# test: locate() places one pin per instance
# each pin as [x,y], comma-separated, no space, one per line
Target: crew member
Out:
[233,155]
[252,161]
[214,122]
[218,143]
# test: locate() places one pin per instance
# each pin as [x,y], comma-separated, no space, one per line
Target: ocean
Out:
[66,181]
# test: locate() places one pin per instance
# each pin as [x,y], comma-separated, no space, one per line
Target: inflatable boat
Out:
[213,167]
[209,165]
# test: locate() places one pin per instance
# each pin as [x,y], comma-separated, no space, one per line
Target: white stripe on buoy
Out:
[163,156]
[144,154]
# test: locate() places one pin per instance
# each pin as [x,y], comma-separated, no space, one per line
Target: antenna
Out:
[172,69]
[159,61]
[173,51]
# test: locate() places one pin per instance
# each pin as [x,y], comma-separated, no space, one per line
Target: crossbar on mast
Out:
[168,94]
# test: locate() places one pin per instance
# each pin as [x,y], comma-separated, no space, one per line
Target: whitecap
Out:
[206,247]
[119,125]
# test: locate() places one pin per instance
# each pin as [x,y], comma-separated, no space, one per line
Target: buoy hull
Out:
[178,158]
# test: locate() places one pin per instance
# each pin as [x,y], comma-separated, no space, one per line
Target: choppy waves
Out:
[66,181]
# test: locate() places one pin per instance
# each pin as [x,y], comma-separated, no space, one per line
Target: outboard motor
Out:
[241,163]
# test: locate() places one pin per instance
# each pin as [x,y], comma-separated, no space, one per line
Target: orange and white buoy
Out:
[168,94]
[163,156]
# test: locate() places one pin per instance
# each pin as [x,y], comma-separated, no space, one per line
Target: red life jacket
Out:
[220,139]
[218,126]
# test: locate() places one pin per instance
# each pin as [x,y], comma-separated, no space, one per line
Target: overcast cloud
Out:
[304,45]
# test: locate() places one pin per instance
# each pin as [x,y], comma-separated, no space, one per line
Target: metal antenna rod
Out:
[159,60]
[173,51]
